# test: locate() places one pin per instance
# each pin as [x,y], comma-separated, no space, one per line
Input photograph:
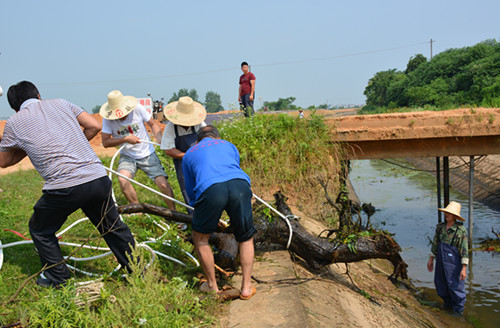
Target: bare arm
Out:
[252,93]
[91,126]
[174,153]
[11,157]
[155,128]
[109,141]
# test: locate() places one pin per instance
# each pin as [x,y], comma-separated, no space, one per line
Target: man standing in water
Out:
[450,248]
[247,90]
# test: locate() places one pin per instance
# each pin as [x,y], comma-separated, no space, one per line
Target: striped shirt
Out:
[49,133]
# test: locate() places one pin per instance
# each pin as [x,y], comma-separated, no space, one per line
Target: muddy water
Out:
[406,202]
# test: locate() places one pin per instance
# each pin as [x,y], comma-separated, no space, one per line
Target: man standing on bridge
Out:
[247,90]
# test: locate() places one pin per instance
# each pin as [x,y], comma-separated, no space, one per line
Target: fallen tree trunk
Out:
[155,210]
[317,252]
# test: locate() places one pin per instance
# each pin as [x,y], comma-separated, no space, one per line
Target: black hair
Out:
[243,64]
[20,92]
[208,131]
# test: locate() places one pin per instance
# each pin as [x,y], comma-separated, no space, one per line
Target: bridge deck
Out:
[463,132]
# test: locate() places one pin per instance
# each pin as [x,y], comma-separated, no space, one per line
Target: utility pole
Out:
[431,46]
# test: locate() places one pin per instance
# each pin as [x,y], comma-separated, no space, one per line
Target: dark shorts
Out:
[233,196]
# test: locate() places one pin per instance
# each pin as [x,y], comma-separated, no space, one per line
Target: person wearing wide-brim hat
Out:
[450,249]
[124,122]
[185,118]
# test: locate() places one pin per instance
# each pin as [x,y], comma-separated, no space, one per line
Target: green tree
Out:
[376,90]
[184,92]
[213,103]
[281,104]
[96,109]
[455,77]
[415,62]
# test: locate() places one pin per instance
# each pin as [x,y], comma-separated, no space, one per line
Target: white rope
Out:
[282,216]
[149,188]
[1,255]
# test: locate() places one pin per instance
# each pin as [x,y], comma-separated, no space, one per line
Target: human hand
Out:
[132,139]
[430,264]
[463,273]
[251,97]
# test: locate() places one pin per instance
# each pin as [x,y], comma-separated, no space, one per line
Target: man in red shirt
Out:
[247,90]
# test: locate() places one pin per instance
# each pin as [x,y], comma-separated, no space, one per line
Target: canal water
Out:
[406,203]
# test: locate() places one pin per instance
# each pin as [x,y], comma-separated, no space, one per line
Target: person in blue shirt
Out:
[215,182]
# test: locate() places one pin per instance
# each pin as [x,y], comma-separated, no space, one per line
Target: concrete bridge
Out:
[468,132]
[462,132]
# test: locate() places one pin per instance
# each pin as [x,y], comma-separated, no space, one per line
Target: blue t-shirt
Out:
[209,162]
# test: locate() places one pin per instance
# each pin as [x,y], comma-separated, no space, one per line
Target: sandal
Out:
[246,298]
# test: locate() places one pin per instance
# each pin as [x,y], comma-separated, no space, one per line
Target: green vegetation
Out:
[166,294]
[468,76]
[276,151]
[280,104]
[282,152]
[212,102]
[212,99]
[184,92]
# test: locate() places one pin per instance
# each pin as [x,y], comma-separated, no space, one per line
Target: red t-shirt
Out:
[245,79]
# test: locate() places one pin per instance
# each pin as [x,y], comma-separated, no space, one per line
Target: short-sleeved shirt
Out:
[456,236]
[246,86]
[132,124]
[168,137]
[48,131]
[209,162]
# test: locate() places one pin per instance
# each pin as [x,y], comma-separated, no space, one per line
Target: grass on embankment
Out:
[276,151]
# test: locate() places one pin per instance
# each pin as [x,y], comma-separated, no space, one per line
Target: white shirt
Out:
[132,124]
[168,137]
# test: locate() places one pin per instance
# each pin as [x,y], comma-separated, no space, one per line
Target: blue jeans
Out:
[247,105]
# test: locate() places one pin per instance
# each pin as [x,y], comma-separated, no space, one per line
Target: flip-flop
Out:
[246,298]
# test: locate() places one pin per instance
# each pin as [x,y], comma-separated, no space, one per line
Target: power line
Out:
[169,76]
[342,56]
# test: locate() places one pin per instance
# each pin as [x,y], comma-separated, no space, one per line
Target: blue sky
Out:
[316,51]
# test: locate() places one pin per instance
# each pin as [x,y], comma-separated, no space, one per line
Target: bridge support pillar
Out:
[438,180]
[446,181]
[471,199]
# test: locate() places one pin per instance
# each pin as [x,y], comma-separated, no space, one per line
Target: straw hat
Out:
[185,112]
[118,106]
[453,208]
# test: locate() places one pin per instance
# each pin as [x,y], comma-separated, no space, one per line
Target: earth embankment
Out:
[486,176]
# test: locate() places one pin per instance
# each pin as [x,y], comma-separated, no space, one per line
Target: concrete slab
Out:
[273,305]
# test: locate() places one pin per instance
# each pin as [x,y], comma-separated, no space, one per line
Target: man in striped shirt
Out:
[50,133]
